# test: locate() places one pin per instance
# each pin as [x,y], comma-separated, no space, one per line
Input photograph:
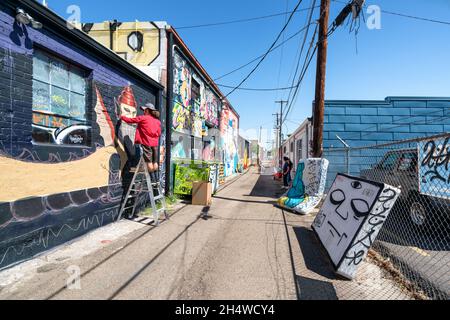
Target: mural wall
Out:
[63,154]
[195,106]
[229,140]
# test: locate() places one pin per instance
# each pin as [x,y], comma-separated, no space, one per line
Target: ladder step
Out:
[158,197]
[132,195]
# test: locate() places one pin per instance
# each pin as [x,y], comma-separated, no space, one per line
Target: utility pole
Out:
[319,103]
[277,141]
[280,128]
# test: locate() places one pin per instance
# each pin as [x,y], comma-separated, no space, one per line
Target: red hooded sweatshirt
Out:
[148,129]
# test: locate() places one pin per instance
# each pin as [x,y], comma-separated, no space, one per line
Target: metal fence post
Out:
[347,153]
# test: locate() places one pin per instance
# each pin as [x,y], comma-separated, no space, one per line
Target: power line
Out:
[405,15]
[260,56]
[301,51]
[303,72]
[302,75]
[255,89]
[267,52]
[240,20]
[281,53]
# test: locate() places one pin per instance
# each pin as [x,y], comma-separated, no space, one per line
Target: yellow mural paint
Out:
[121,40]
[20,179]
[282,200]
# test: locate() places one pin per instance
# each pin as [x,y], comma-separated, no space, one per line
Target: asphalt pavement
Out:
[240,247]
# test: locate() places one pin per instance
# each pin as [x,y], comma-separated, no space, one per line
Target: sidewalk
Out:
[241,247]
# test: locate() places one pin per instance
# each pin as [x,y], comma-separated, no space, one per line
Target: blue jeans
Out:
[286,179]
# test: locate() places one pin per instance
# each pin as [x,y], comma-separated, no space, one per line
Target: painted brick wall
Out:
[365,123]
[52,193]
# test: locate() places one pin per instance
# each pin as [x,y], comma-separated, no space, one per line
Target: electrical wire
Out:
[267,52]
[281,55]
[240,20]
[302,74]
[405,15]
[301,49]
[255,89]
[260,56]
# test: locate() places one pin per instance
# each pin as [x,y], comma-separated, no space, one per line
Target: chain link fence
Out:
[415,239]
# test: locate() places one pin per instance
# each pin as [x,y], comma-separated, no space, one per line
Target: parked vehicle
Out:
[399,168]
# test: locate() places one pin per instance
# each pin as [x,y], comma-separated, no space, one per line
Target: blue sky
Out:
[404,58]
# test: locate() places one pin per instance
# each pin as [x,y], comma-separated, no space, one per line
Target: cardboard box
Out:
[201,193]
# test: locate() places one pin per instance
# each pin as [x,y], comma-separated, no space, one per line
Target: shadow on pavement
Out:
[266,187]
[313,254]
[243,200]
[311,289]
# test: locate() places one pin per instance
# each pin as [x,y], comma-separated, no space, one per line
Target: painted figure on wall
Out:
[178,150]
[51,191]
[193,102]
[127,106]
[229,136]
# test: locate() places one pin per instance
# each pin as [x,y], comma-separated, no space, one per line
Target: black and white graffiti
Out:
[350,219]
[434,167]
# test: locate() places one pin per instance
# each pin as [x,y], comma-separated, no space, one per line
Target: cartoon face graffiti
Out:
[345,209]
[359,207]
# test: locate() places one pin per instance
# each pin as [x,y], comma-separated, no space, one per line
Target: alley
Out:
[242,247]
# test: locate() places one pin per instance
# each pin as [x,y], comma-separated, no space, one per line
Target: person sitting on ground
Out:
[147,136]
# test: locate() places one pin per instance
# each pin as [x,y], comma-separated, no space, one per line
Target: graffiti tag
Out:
[76,139]
[434,171]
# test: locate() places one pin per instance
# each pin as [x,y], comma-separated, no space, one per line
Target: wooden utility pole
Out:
[277,127]
[280,129]
[319,103]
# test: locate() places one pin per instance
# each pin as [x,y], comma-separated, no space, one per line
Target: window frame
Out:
[86,74]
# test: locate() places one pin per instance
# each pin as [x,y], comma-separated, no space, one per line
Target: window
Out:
[390,161]
[181,146]
[195,96]
[299,149]
[59,102]
[408,162]
[291,149]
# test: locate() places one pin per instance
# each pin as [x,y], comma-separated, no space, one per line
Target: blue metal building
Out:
[364,123]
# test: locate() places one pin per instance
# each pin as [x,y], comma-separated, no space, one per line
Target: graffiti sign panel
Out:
[350,219]
[434,171]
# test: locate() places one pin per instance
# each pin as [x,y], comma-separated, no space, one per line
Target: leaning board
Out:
[351,217]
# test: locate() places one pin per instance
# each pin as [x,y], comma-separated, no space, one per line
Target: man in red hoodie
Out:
[148,132]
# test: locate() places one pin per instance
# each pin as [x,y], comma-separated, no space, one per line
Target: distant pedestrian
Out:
[287,167]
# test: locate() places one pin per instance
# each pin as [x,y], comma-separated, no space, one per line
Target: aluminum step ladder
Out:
[141,177]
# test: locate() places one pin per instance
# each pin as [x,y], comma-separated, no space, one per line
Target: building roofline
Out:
[299,128]
[197,63]
[388,100]
[56,24]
